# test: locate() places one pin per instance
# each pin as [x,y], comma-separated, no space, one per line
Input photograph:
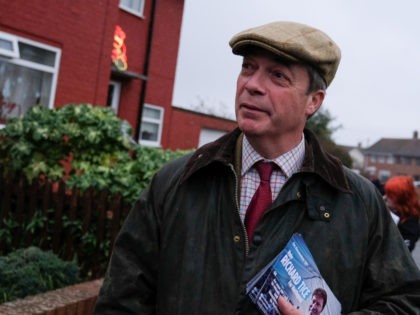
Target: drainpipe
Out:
[146,70]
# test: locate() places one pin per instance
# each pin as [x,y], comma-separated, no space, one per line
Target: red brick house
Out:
[390,157]
[117,53]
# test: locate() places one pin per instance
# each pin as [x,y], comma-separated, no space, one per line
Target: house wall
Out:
[84,31]
[395,169]
[187,125]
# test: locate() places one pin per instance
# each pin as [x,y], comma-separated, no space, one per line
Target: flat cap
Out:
[294,42]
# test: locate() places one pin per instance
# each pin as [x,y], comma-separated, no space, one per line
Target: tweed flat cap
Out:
[294,42]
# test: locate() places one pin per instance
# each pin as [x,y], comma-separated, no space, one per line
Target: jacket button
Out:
[257,239]
[236,238]
[326,215]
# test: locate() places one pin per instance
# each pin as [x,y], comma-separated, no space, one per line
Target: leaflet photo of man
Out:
[318,302]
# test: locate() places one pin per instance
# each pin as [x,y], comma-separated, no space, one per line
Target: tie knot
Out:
[264,170]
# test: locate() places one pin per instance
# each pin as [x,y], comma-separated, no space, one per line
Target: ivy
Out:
[85,145]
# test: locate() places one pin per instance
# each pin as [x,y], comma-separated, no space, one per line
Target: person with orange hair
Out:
[401,198]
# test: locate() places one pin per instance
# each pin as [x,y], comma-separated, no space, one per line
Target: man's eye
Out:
[247,68]
[280,77]
[278,74]
[246,65]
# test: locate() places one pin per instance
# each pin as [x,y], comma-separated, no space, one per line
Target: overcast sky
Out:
[376,91]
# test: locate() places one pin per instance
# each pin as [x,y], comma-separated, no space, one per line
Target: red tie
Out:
[261,199]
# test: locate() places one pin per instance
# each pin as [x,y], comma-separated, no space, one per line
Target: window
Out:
[406,160]
[381,159]
[8,46]
[373,159]
[133,6]
[113,99]
[28,78]
[390,159]
[151,125]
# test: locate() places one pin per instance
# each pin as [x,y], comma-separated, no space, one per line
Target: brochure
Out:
[294,275]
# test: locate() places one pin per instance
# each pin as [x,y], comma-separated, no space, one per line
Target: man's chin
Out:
[250,129]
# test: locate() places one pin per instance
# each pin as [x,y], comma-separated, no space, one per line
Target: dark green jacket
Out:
[183,249]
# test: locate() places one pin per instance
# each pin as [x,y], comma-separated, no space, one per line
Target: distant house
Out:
[390,157]
[357,157]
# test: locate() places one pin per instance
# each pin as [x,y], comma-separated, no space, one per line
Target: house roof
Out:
[406,147]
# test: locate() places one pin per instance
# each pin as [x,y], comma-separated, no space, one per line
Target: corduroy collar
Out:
[226,150]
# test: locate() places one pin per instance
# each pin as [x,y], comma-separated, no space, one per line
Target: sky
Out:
[376,91]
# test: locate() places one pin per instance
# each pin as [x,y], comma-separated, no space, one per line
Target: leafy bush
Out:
[31,271]
[87,146]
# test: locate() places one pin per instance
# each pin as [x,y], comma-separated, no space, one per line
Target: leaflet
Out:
[294,275]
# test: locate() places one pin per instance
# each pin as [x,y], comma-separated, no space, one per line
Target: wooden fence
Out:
[71,223]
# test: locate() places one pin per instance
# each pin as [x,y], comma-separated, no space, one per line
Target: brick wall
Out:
[77,299]
[83,32]
[186,126]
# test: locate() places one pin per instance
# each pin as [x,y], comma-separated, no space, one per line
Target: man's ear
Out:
[315,101]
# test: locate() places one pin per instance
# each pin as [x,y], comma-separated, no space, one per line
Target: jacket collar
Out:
[225,150]
[320,162]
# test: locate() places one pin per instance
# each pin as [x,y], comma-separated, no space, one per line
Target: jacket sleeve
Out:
[130,282]
[392,279]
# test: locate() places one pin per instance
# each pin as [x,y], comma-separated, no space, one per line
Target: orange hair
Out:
[400,189]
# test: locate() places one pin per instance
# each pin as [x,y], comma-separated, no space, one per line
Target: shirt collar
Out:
[289,162]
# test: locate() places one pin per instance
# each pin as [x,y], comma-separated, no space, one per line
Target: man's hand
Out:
[286,308]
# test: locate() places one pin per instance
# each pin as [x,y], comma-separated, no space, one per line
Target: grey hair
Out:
[316,81]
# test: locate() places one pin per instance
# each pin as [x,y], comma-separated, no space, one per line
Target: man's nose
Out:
[256,83]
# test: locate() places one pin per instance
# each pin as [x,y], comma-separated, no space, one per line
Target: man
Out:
[190,245]
[318,301]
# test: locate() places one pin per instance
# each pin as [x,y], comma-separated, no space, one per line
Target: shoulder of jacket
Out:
[174,168]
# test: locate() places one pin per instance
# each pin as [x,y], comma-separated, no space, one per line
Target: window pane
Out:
[135,5]
[149,131]
[20,89]
[151,113]
[6,44]
[36,54]
[406,160]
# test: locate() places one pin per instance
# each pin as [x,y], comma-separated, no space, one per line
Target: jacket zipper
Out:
[246,243]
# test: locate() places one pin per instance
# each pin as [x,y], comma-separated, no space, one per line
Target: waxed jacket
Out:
[183,249]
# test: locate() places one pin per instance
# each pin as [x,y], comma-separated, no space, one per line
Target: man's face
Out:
[316,306]
[272,99]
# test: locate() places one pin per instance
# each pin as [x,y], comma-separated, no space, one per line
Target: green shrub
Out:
[31,271]
[87,146]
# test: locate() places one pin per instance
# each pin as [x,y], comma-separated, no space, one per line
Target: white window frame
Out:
[156,143]
[131,10]
[54,70]
[14,53]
